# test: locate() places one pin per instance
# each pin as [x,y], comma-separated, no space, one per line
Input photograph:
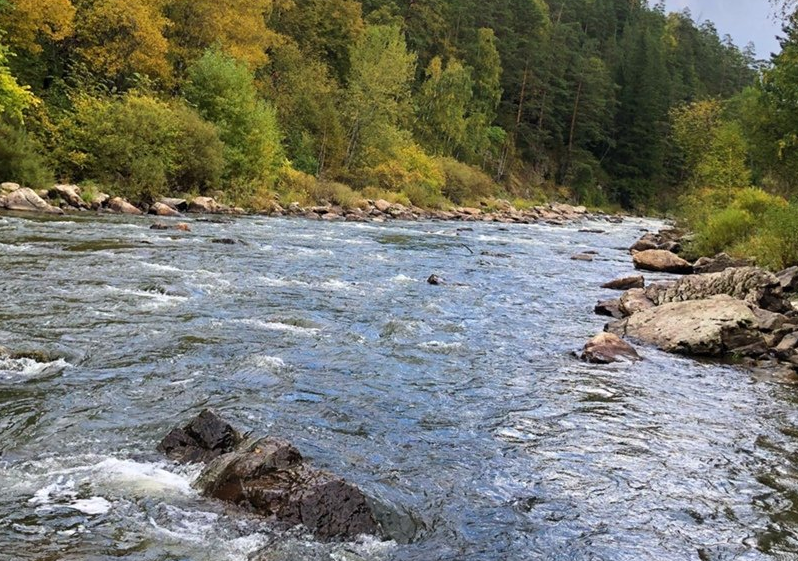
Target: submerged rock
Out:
[625,283]
[25,200]
[662,261]
[606,348]
[582,257]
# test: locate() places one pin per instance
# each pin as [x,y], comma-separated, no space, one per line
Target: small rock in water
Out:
[435,280]
[206,437]
[582,257]
[159,226]
[626,283]
[606,348]
[225,241]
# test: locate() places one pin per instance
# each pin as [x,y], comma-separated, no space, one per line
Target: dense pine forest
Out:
[429,102]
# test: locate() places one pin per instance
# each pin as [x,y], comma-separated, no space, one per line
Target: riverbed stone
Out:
[714,327]
[270,477]
[26,200]
[606,348]
[205,437]
[8,187]
[204,205]
[121,206]
[70,194]
[626,283]
[610,308]
[162,209]
[635,300]
[662,261]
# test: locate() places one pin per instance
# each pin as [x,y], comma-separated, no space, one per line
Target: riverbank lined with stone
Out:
[721,308]
[62,199]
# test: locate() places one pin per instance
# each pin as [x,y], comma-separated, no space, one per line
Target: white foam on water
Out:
[152,299]
[13,368]
[141,479]
[267,362]
[278,326]
[164,268]
[440,345]
[91,506]
[15,248]
[403,279]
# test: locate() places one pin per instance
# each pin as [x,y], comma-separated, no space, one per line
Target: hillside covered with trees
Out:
[424,101]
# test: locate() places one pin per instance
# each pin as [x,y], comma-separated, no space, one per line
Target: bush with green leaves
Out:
[140,147]
[465,183]
[223,91]
[21,160]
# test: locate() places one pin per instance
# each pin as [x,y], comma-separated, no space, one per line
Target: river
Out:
[460,406]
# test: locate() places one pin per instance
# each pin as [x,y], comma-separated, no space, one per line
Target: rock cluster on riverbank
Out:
[270,477]
[737,312]
[71,198]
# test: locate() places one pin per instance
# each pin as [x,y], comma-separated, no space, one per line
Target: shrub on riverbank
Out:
[745,223]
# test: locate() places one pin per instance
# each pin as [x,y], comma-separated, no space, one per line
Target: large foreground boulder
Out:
[606,348]
[269,477]
[25,200]
[714,327]
[662,261]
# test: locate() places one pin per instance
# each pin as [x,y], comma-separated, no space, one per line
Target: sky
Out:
[744,20]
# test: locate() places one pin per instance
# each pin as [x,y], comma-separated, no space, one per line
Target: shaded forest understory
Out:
[429,102]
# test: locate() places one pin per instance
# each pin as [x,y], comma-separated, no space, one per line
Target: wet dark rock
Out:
[159,226]
[205,437]
[719,263]
[662,261]
[606,348]
[610,308]
[225,241]
[625,283]
[592,231]
[270,477]
[434,280]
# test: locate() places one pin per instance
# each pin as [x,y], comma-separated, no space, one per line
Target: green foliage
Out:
[14,98]
[296,186]
[723,230]
[223,91]
[775,245]
[20,158]
[142,147]
[465,183]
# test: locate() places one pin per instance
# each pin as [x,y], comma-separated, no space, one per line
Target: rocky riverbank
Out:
[63,199]
[721,308]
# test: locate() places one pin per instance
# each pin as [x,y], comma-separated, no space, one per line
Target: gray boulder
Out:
[25,200]
[714,327]
[70,194]
[788,279]
[121,206]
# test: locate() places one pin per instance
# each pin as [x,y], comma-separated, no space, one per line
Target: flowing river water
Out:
[460,407]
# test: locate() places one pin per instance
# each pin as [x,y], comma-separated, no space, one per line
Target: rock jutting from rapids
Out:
[270,477]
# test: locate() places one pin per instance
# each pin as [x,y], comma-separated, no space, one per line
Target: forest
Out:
[607,103]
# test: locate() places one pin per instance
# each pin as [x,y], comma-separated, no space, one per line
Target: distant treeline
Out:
[426,101]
